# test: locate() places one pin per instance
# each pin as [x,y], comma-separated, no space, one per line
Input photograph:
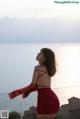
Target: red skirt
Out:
[48,102]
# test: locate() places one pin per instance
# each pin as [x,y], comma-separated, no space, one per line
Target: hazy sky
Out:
[23,21]
[37,8]
[31,30]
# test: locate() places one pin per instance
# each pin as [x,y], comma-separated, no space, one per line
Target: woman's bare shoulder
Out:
[40,67]
[37,67]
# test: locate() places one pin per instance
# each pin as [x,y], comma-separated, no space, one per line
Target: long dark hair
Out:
[50,60]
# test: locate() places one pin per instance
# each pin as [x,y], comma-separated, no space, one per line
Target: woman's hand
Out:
[15,93]
[30,88]
[25,95]
[25,91]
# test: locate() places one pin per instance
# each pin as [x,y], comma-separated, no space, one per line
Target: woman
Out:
[47,103]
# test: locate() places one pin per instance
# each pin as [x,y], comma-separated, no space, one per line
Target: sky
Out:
[33,30]
[37,8]
[30,21]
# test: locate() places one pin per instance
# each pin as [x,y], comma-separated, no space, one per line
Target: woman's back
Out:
[43,79]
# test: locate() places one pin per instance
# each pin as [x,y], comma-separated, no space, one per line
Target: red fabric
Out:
[29,89]
[14,94]
[48,102]
[25,91]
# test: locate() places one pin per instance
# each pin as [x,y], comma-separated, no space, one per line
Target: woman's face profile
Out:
[40,57]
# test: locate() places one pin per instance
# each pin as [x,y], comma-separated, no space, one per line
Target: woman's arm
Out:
[35,75]
[32,87]
[28,89]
